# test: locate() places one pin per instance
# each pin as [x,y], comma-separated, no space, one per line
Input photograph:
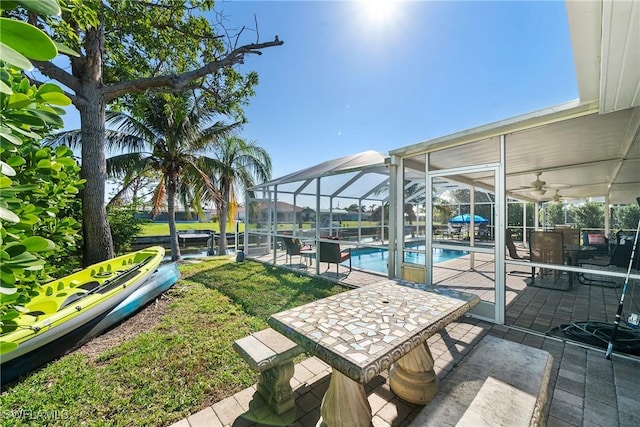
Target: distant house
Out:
[181,216]
[342,215]
[286,213]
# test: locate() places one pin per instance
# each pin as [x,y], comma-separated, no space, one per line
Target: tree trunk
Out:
[98,244]
[173,232]
[223,214]
[90,101]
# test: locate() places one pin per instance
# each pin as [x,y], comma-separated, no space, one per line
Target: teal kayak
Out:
[64,310]
[161,280]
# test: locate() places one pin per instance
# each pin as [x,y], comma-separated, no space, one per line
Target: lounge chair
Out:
[330,252]
[511,247]
[294,247]
[455,231]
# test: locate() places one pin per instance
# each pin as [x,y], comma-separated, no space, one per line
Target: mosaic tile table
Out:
[365,331]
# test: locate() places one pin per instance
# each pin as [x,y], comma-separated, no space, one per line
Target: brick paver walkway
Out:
[585,389]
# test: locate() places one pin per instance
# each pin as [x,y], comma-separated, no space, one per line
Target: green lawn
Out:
[180,366]
[162,229]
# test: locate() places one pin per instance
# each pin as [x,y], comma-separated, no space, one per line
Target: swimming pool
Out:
[375,259]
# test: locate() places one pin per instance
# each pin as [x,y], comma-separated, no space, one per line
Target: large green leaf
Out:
[29,219]
[16,188]
[27,40]
[66,50]
[4,88]
[25,132]
[41,7]
[56,98]
[13,57]
[66,161]
[5,182]
[49,87]
[6,169]
[19,100]
[15,161]
[48,117]
[24,117]
[7,215]
[9,315]
[11,138]
[15,249]
[5,290]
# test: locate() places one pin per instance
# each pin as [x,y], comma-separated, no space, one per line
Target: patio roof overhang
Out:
[589,154]
[590,146]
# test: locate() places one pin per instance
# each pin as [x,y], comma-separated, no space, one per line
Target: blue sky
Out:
[346,81]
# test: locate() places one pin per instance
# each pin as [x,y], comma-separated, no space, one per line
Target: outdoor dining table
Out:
[363,332]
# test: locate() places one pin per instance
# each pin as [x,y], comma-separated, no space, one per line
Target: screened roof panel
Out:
[360,161]
[358,176]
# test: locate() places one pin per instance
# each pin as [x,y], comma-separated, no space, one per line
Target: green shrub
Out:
[124,227]
[38,185]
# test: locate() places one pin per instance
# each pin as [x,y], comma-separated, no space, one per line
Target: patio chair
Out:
[513,253]
[294,247]
[598,243]
[548,247]
[511,247]
[330,252]
[454,231]
[483,232]
[570,236]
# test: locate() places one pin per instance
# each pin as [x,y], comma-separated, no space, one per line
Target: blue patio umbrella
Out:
[466,219]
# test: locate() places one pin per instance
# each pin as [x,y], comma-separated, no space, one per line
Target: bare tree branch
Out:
[54,72]
[255,19]
[177,81]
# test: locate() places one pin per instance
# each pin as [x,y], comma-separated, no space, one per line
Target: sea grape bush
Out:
[38,184]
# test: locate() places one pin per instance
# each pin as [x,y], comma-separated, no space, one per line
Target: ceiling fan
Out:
[535,187]
[557,198]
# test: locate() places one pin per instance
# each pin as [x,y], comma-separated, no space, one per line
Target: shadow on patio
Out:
[585,388]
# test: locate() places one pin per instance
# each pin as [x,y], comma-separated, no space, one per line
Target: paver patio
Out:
[585,389]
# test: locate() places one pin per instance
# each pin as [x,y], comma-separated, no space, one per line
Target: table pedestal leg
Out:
[274,385]
[345,403]
[412,377]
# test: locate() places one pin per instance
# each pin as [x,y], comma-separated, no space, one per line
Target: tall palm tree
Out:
[177,134]
[170,134]
[237,165]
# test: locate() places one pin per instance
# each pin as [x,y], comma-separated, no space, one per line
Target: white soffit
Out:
[585,20]
[620,69]
[605,37]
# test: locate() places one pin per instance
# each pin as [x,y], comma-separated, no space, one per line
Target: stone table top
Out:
[361,332]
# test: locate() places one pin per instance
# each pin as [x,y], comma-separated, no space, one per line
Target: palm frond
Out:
[134,132]
[117,141]
[70,138]
[159,197]
[131,163]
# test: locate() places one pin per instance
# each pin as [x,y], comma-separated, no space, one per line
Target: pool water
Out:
[374,259]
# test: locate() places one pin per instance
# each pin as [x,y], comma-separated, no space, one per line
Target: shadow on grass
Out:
[262,290]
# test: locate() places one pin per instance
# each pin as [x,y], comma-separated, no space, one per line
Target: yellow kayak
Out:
[67,308]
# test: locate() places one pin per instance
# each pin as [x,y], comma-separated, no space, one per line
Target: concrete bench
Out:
[499,383]
[271,354]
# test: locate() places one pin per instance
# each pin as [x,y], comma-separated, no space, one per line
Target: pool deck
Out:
[585,390]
